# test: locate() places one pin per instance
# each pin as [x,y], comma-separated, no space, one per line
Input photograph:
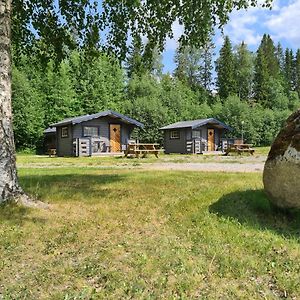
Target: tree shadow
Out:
[65,188]
[70,187]
[15,215]
[252,208]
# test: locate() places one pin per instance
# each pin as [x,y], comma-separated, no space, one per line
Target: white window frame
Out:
[174,135]
[65,132]
[90,135]
[194,136]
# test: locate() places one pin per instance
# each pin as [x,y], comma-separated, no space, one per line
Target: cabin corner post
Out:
[9,186]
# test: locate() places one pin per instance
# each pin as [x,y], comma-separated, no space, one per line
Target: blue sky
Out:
[282,23]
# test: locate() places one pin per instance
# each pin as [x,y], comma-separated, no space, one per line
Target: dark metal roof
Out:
[80,119]
[50,130]
[195,124]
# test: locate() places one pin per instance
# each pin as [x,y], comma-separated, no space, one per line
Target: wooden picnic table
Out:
[52,152]
[143,149]
[240,148]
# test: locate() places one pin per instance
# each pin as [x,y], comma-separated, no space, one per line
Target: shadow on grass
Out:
[253,209]
[68,187]
[16,215]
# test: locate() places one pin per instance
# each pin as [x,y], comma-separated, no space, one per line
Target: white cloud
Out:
[171,44]
[284,24]
[241,27]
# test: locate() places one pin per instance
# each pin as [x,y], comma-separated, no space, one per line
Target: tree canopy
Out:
[62,25]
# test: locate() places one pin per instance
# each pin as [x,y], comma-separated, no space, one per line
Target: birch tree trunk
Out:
[9,186]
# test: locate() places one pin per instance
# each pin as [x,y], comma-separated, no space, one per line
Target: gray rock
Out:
[282,169]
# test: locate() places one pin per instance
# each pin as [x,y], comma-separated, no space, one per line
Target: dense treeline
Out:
[260,89]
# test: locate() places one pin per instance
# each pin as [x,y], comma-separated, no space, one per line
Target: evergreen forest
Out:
[259,89]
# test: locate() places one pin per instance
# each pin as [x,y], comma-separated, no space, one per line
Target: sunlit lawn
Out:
[28,160]
[130,234]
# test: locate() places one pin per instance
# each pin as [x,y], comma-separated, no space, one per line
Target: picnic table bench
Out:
[143,149]
[239,149]
[52,152]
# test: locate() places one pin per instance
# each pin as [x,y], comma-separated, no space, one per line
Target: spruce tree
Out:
[267,69]
[280,57]
[225,68]
[28,110]
[156,68]
[134,63]
[59,94]
[206,65]
[261,77]
[180,59]
[244,71]
[270,53]
[188,67]
[288,70]
[297,72]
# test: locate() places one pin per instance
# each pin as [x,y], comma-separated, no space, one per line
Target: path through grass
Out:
[113,234]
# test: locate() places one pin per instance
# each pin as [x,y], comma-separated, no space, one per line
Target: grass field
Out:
[131,234]
[38,161]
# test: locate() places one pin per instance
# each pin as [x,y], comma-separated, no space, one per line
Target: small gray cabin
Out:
[197,136]
[91,135]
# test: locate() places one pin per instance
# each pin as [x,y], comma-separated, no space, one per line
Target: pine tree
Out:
[244,71]
[225,68]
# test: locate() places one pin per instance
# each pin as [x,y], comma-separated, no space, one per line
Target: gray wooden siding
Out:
[103,124]
[64,145]
[180,145]
[175,145]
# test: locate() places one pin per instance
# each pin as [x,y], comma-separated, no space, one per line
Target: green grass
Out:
[262,150]
[121,234]
[40,161]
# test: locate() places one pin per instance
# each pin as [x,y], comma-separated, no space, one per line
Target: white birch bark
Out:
[9,186]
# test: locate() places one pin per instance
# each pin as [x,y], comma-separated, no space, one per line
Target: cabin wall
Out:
[175,145]
[64,144]
[204,135]
[180,145]
[104,130]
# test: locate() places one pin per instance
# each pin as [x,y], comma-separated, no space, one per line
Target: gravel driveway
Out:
[207,167]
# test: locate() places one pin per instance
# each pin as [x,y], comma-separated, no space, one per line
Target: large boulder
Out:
[282,169]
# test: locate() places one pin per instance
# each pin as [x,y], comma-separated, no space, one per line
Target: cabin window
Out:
[174,135]
[64,132]
[90,131]
[196,134]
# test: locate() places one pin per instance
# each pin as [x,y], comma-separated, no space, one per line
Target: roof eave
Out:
[95,116]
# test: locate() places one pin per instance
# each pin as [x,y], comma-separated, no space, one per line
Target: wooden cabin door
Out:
[115,137]
[211,140]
